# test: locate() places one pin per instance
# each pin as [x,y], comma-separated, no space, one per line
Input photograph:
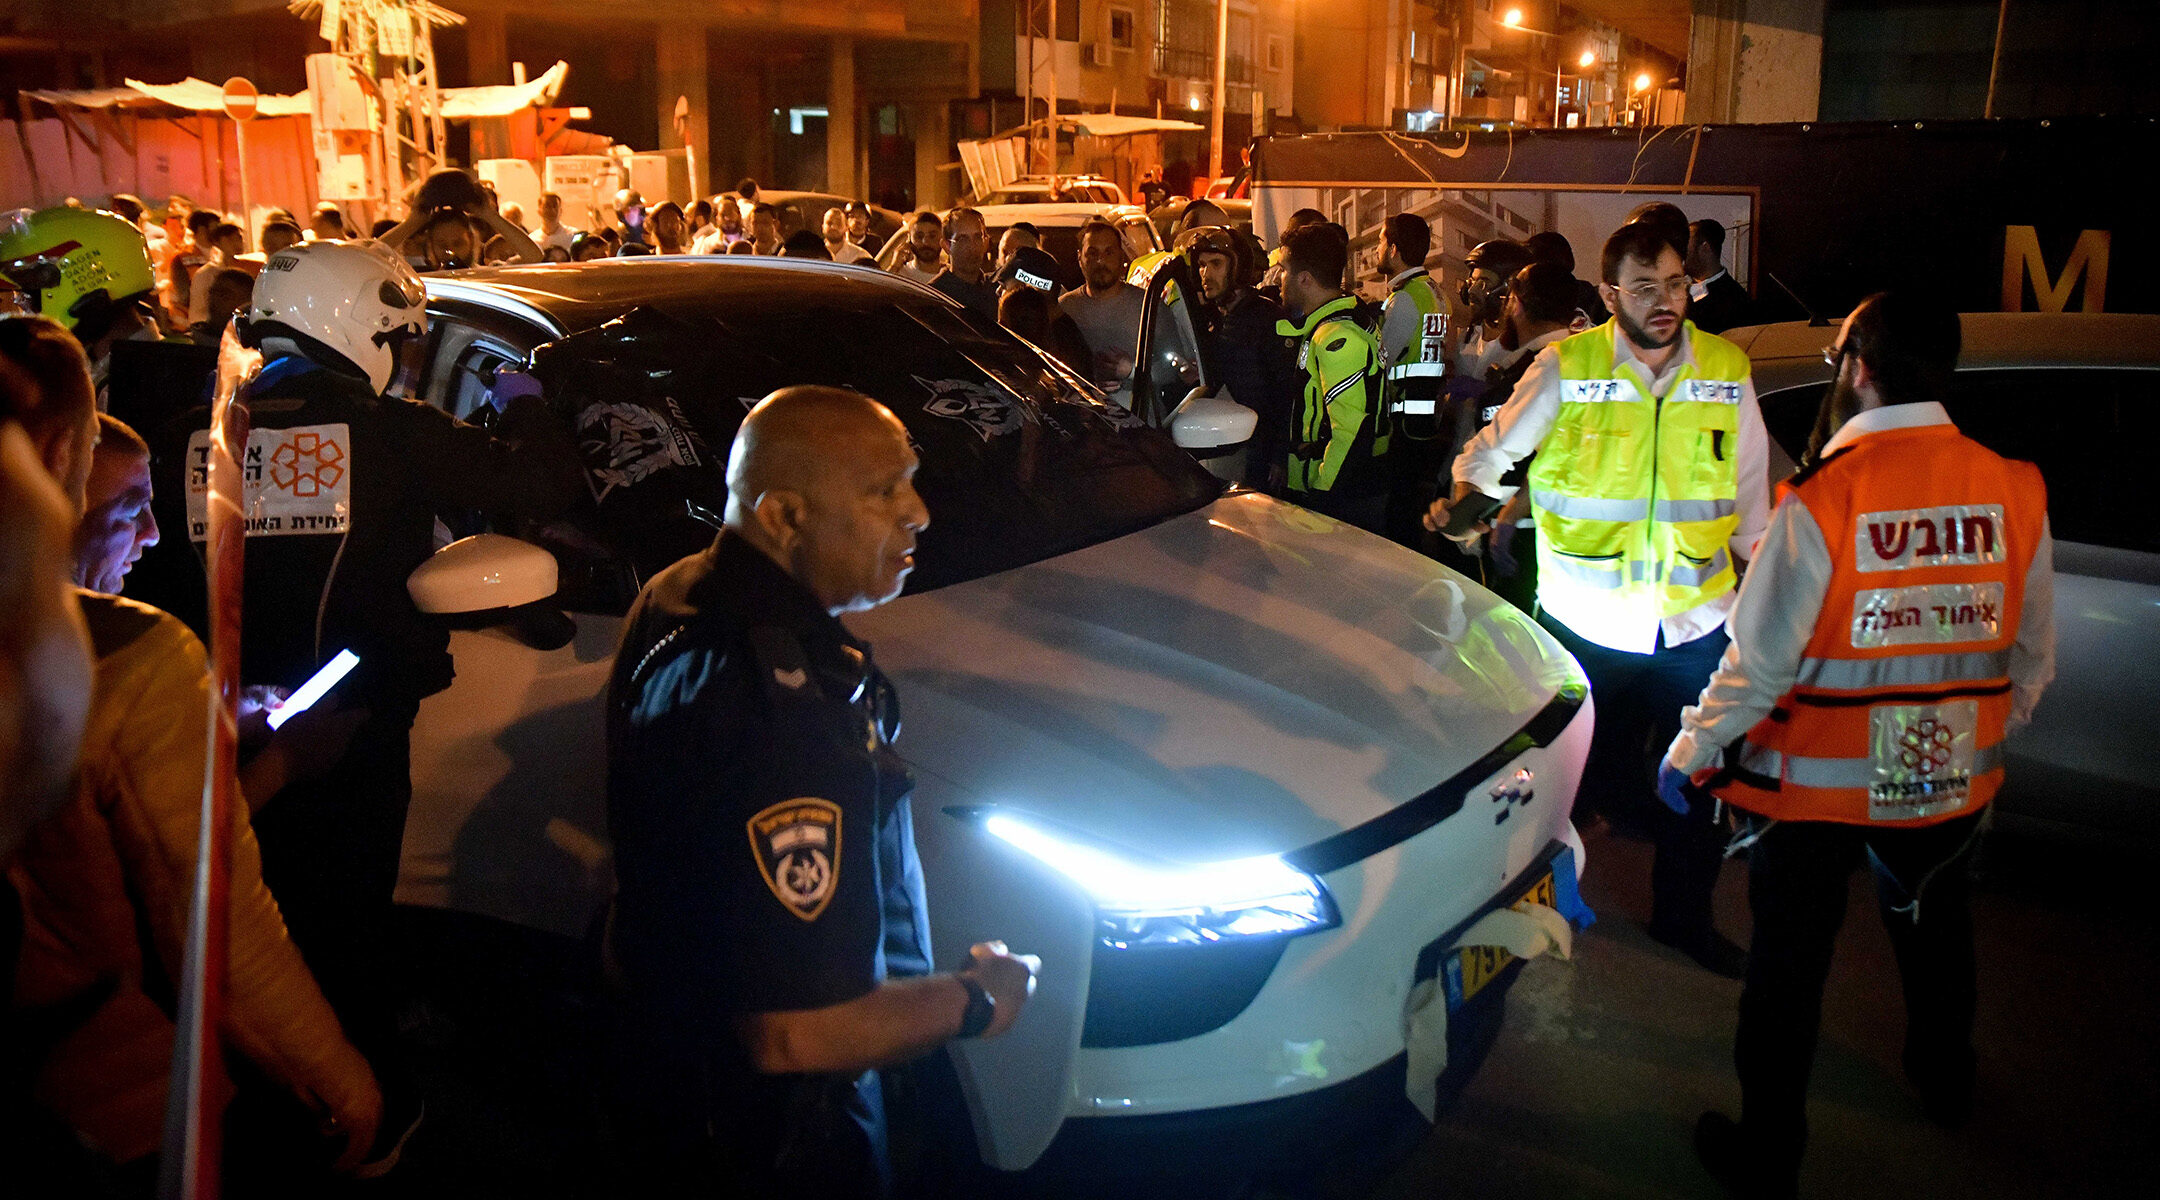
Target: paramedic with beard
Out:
[771,925]
[1649,487]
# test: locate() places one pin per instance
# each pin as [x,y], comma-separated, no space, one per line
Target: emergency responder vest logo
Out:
[797,844]
[292,481]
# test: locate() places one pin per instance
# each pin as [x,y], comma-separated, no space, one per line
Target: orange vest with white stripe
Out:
[1903,694]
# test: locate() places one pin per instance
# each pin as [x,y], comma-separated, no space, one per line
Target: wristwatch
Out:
[980,1009]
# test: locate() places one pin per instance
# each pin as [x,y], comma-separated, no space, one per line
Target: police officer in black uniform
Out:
[771,925]
[346,484]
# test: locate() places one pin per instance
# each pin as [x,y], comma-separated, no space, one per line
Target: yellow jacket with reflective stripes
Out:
[1414,344]
[1341,431]
[1636,496]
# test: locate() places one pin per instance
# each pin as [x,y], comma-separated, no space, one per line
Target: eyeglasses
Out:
[1649,292]
[1833,355]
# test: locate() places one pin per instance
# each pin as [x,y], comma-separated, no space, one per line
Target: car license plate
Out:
[1476,966]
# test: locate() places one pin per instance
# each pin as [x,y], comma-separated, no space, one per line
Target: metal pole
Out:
[1222,64]
[1053,40]
[247,210]
[1028,109]
[2002,20]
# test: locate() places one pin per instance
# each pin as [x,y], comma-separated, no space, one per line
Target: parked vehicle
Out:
[806,210]
[2079,395]
[1065,189]
[1241,775]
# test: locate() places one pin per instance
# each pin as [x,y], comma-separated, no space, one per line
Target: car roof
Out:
[1056,216]
[577,296]
[1992,341]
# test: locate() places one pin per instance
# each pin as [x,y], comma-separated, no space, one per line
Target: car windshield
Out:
[1021,461]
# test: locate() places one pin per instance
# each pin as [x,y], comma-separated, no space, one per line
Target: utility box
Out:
[585,182]
[515,182]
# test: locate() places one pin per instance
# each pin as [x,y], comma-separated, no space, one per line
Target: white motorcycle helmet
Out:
[356,299]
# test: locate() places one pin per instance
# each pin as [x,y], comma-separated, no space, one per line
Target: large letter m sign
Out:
[2023,261]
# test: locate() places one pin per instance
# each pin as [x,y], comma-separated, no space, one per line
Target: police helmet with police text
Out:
[356,299]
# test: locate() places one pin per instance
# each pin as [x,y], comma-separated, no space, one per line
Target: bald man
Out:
[771,923]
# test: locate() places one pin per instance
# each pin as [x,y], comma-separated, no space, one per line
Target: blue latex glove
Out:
[1673,788]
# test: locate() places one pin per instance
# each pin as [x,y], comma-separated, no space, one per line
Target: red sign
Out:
[241,99]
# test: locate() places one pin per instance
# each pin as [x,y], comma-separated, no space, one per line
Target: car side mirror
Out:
[482,572]
[1205,422]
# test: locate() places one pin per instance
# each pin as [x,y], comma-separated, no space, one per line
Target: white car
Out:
[1039,189]
[1241,775]
[2078,394]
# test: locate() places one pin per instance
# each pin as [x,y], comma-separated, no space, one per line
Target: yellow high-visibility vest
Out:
[1636,497]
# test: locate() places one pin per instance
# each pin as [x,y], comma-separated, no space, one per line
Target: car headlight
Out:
[1144,902]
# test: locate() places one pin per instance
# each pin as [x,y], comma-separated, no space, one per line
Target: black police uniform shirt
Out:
[760,821]
[335,585]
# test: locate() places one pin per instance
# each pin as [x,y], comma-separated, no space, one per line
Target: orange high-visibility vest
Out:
[1898,714]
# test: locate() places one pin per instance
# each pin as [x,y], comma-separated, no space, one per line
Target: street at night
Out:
[1077,599]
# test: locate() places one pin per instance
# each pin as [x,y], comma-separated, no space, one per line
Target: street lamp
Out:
[1642,82]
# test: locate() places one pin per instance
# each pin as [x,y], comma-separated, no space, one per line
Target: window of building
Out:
[1185,41]
[1278,55]
[1123,23]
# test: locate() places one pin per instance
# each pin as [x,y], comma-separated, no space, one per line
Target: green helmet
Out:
[72,264]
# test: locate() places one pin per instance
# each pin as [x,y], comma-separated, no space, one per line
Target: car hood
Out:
[1245,679]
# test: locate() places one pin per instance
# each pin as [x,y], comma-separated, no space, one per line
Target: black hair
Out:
[1552,247]
[1667,219]
[1097,224]
[203,218]
[926,217]
[1321,251]
[1411,237]
[1028,228]
[381,227]
[1637,240]
[1547,292]
[1027,312]
[1304,216]
[747,189]
[805,244]
[1909,343]
[126,205]
[1710,233]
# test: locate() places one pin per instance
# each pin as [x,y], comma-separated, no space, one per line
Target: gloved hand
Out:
[1674,789]
[1501,550]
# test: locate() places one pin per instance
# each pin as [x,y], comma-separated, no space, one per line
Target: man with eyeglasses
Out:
[1649,484]
[1899,624]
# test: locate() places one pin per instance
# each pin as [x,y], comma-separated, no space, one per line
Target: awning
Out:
[1105,125]
[197,95]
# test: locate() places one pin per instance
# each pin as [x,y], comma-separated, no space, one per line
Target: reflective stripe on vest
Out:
[1855,773]
[1903,695]
[1623,478]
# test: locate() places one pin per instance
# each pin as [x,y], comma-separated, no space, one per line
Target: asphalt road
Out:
[1591,1090]
[1604,1061]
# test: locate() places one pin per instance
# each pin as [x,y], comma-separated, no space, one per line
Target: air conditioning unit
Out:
[1098,54]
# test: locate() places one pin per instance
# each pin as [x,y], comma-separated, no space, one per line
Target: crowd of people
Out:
[1591,447]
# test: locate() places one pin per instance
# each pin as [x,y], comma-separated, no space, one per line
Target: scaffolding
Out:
[391,43]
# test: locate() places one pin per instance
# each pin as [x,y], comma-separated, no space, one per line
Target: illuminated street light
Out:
[1513,19]
[1588,59]
[1642,82]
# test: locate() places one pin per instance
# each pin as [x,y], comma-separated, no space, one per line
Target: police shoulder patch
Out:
[797,847]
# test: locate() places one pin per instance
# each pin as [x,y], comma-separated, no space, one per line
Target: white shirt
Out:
[848,252]
[562,237]
[908,268]
[1401,325]
[1781,601]
[1519,428]
[1701,287]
